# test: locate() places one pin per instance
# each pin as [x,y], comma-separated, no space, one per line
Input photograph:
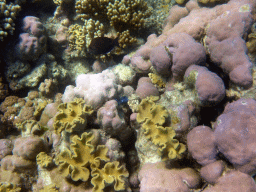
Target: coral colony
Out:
[128,95]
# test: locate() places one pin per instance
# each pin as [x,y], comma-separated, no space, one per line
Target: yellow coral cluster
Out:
[125,39]
[29,127]
[80,36]
[156,80]
[125,14]
[50,188]
[111,174]
[72,116]
[152,117]
[44,160]
[8,14]
[84,160]
[120,17]
[8,187]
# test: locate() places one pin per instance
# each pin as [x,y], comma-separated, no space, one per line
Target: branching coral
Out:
[127,14]
[82,155]
[72,116]
[8,13]
[80,36]
[115,17]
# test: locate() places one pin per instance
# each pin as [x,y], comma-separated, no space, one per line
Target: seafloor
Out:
[128,95]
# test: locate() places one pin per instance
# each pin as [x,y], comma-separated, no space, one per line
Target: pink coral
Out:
[235,132]
[176,54]
[156,177]
[111,119]
[234,181]
[5,147]
[96,89]
[201,145]
[146,88]
[209,86]
[33,26]
[212,171]
[33,42]
[224,39]
[28,147]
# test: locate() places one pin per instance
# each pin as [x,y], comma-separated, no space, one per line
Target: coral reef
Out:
[170,108]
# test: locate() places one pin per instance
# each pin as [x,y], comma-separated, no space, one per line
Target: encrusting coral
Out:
[72,116]
[152,117]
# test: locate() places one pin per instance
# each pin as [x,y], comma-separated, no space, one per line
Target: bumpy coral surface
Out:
[234,134]
[95,89]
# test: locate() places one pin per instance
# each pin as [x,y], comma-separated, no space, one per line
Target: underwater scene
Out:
[128,96]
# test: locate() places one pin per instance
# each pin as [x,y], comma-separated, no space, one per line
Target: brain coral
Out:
[72,116]
[82,155]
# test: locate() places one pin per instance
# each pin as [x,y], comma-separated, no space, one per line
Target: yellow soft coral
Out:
[29,127]
[44,160]
[157,80]
[111,174]
[163,137]
[149,110]
[152,117]
[82,155]
[72,116]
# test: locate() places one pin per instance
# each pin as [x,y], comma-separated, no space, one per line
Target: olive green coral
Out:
[152,117]
[80,36]
[111,174]
[112,17]
[72,116]
[8,187]
[44,160]
[149,110]
[8,13]
[81,157]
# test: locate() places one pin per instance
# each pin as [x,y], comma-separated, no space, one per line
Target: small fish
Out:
[123,100]
[102,45]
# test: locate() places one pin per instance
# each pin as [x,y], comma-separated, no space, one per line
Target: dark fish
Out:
[102,45]
[123,100]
